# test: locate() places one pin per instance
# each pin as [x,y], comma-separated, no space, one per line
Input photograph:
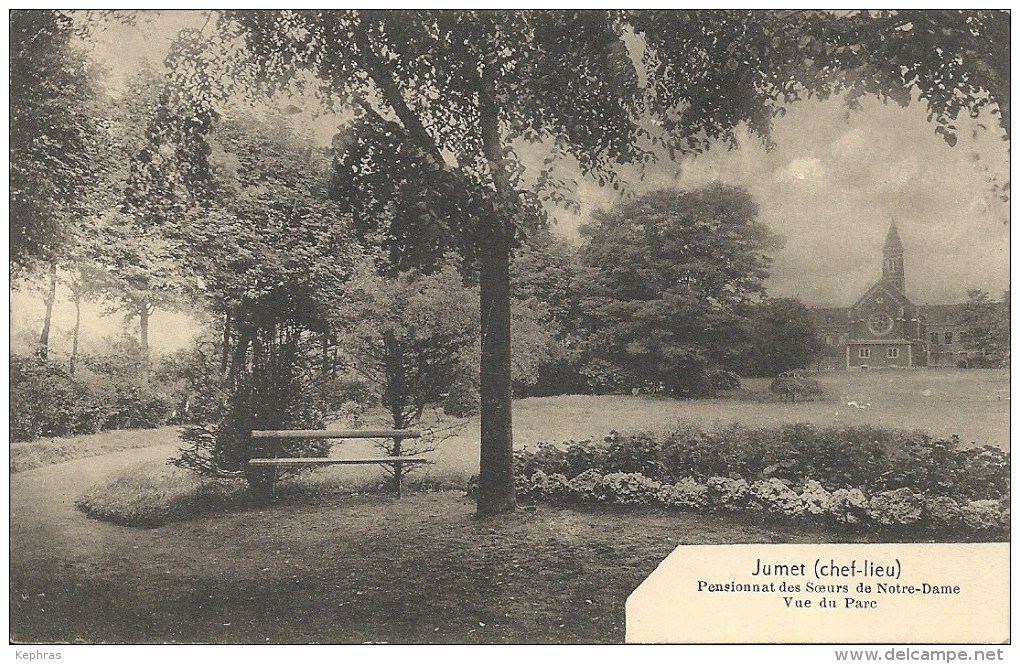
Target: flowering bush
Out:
[774,496]
[728,493]
[848,506]
[942,511]
[872,459]
[685,494]
[630,489]
[982,515]
[796,470]
[985,473]
[900,507]
[540,485]
[587,487]
[817,501]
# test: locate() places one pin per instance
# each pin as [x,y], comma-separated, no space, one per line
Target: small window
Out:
[863,352]
[934,338]
[949,338]
[892,352]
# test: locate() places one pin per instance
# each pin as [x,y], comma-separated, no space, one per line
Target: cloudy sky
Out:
[831,187]
[835,181]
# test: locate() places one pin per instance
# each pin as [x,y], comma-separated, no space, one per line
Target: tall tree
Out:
[987,326]
[53,129]
[466,87]
[782,336]
[668,279]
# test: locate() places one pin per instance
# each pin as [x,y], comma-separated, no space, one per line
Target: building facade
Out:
[884,329]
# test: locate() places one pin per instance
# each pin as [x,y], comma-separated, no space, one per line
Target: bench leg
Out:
[262,483]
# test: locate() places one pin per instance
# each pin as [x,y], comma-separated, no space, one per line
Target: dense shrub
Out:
[630,489]
[462,400]
[942,511]
[587,487]
[871,459]
[983,515]
[138,407]
[685,494]
[46,400]
[776,497]
[848,506]
[792,385]
[728,493]
[984,473]
[900,510]
[817,501]
[900,507]
[849,476]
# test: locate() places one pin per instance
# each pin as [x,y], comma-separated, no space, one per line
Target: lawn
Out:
[973,404]
[328,567]
[47,451]
[354,569]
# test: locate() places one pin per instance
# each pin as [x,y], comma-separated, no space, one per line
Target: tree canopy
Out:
[668,278]
[443,100]
[988,326]
[782,336]
[53,134]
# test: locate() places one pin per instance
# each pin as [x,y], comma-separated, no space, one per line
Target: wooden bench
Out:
[264,487]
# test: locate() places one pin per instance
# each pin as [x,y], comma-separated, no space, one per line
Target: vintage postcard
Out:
[521,326]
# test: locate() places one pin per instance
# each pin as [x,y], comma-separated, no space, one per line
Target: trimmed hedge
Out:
[839,474]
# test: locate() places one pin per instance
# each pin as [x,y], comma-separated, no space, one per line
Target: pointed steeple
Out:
[892,260]
[892,240]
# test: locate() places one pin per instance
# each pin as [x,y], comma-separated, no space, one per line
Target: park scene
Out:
[447,327]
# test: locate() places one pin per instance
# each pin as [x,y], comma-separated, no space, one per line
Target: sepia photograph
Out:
[589,326]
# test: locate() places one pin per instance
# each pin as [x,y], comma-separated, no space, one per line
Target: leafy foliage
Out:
[408,335]
[782,336]
[793,385]
[987,326]
[54,137]
[46,400]
[453,92]
[837,457]
[904,509]
[668,277]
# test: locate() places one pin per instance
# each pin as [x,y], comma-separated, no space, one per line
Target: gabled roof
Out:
[889,290]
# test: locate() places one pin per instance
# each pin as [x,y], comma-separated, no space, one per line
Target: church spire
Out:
[892,260]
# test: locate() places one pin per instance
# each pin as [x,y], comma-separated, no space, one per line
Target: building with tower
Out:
[884,329]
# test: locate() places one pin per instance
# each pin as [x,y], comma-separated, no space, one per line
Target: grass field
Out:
[319,567]
[47,451]
[973,404]
[356,569]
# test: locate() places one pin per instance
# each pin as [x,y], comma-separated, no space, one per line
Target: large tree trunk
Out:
[495,477]
[51,296]
[77,331]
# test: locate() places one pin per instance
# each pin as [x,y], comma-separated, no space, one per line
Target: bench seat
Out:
[325,461]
